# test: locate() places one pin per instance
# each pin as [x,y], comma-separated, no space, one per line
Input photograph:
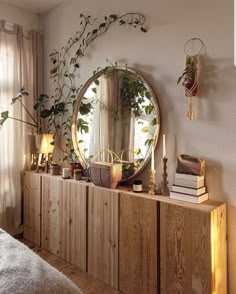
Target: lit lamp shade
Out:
[46,147]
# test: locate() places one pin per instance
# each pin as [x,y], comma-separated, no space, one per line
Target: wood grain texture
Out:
[32,207]
[138,245]
[186,250]
[73,224]
[103,235]
[219,250]
[64,221]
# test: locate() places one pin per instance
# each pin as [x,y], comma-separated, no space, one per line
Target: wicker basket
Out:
[107,174]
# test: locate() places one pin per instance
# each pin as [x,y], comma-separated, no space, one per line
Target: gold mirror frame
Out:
[77,107]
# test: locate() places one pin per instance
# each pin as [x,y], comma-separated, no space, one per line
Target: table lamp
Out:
[46,147]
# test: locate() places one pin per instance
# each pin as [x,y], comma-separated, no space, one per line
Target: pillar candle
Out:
[164,145]
[65,173]
[152,162]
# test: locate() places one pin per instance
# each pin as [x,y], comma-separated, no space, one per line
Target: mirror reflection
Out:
[117,111]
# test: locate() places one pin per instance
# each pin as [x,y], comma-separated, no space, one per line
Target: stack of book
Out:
[189,188]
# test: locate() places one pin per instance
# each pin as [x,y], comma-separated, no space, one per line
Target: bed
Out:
[23,272]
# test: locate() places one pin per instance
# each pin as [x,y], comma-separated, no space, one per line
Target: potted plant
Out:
[55,168]
[189,78]
[71,158]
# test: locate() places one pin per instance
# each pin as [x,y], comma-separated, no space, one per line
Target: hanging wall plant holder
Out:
[190,75]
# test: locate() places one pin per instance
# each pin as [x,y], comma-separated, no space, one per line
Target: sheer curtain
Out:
[19,62]
[113,126]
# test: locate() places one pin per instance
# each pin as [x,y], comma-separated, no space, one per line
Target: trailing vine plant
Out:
[66,81]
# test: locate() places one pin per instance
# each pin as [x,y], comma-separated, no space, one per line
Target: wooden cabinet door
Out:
[64,220]
[192,244]
[32,207]
[51,197]
[73,224]
[103,235]
[138,249]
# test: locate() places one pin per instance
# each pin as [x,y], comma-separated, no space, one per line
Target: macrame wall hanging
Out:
[193,49]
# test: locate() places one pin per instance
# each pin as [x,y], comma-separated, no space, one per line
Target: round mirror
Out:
[116,110]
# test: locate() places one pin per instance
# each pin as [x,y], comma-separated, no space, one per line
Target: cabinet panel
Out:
[73,224]
[51,197]
[103,235]
[32,207]
[188,251]
[139,247]
[64,220]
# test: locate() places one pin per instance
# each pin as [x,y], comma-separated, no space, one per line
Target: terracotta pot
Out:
[72,167]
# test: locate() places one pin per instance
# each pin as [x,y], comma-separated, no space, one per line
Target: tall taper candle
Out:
[152,162]
[164,146]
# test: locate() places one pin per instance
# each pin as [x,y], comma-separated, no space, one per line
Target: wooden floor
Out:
[84,281]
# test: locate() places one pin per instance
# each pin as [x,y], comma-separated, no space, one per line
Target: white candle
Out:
[65,173]
[164,146]
[152,162]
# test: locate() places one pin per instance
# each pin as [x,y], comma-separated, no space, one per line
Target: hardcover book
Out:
[190,191]
[188,198]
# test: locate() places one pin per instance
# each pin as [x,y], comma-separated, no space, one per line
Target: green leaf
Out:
[85,108]
[94,90]
[143,30]
[96,82]
[45,113]
[144,129]
[4,117]
[82,126]
[81,141]
[179,79]
[154,122]
[137,151]
[149,108]
[102,25]
[113,17]
[149,142]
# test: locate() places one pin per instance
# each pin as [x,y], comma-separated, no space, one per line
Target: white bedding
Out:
[23,272]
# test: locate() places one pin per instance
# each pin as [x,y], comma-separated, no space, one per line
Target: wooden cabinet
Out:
[32,207]
[193,250]
[64,220]
[103,235]
[138,245]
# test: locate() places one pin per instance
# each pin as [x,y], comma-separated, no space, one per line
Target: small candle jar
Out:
[65,173]
[77,174]
[138,186]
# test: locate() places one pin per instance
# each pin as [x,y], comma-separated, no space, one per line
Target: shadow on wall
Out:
[212,79]
[213,180]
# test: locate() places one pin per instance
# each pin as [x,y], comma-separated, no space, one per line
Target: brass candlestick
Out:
[163,187]
[152,185]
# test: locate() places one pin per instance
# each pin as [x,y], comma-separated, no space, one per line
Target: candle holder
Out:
[163,186]
[152,185]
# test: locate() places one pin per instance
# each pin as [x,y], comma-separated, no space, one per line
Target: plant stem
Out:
[28,112]
[25,122]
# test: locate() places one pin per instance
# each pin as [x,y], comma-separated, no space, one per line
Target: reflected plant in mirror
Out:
[116,110]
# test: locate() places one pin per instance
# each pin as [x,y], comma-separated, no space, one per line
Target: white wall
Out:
[28,20]
[159,56]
